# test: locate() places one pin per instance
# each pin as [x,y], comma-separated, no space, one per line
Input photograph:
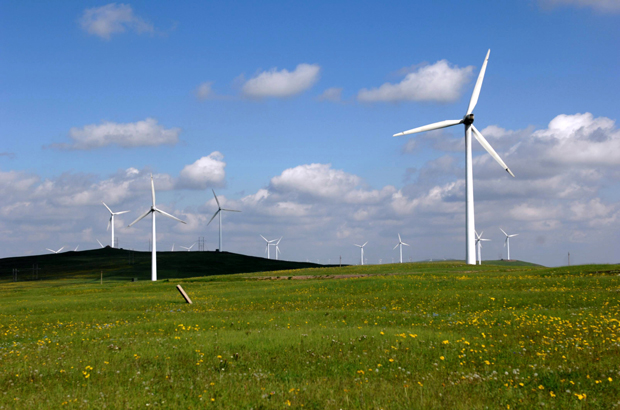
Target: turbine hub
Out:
[468,119]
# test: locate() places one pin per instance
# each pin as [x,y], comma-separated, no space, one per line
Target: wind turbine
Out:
[277,247]
[219,211]
[269,242]
[111,221]
[153,211]
[507,241]
[100,244]
[400,243]
[53,251]
[172,250]
[76,248]
[188,249]
[362,251]
[479,241]
[468,121]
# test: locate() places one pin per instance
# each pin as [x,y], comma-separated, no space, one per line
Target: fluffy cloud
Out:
[598,5]
[111,19]
[282,83]
[205,172]
[204,91]
[439,82]
[332,95]
[128,135]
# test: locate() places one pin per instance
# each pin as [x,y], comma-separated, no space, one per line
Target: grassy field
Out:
[427,335]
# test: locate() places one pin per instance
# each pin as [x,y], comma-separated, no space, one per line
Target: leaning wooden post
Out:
[182,292]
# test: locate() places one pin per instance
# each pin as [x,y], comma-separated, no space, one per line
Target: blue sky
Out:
[90,90]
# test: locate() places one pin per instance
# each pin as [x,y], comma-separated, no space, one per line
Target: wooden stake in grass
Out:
[187,299]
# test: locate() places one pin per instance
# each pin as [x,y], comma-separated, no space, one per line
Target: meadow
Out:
[418,335]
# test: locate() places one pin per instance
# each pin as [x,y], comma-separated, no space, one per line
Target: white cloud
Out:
[111,19]
[204,91]
[332,95]
[205,172]
[129,135]
[598,5]
[282,83]
[318,180]
[439,82]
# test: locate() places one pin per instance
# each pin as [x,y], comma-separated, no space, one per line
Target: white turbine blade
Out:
[406,244]
[192,245]
[50,250]
[396,245]
[216,200]
[121,212]
[264,238]
[107,207]
[430,127]
[61,249]
[100,244]
[510,236]
[153,189]
[184,247]
[485,144]
[142,216]
[169,216]
[474,96]
[278,243]
[364,244]
[213,217]
[230,210]
[485,240]
[399,240]
[76,248]
[278,252]
[503,231]
[109,223]
[357,245]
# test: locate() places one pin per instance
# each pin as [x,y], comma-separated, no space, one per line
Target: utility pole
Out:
[569,259]
[341,261]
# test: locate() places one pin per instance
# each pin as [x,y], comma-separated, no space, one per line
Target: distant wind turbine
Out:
[400,244]
[76,248]
[468,121]
[362,251]
[111,221]
[172,250]
[188,249]
[153,211]
[507,241]
[269,242]
[219,211]
[53,251]
[277,247]
[479,241]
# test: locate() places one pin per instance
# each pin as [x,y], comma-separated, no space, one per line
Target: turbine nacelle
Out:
[468,119]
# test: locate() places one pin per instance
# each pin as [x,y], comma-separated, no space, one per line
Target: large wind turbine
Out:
[361,250]
[400,243]
[269,242]
[468,121]
[219,211]
[507,241]
[277,247]
[53,251]
[153,211]
[479,243]
[111,221]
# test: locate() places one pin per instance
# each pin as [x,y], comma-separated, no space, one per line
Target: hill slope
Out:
[125,264]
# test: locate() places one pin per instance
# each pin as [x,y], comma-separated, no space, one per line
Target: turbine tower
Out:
[269,242]
[507,241]
[111,221]
[153,211]
[400,243]
[479,244]
[53,251]
[219,211]
[361,251]
[468,121]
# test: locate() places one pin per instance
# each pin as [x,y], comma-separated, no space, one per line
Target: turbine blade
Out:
[364,244]
[107,207]
[399,240]
[278,243]
[109,223]
[264,238]
[230,210]
[396,246]
[169,216]
[121,212]
[406,244]
[216,200]
[76,248]
[192,245]
[357,245]
[153,189]
[474,96]
[142,216]
[430,127]
[100,244]
[503,231]
[485,239]
[510,236]
[213,217]
[485,144]
[50,250]
[60,249]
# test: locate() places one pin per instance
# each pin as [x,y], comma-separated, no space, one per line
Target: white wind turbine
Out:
[277,247]
[111,221]
[400,243]
[468,121]
[362,251]
[153,211]
[53,251]
[76,248]
[190,248]
[219,211]
[507,241]
[269,242]
[479,241]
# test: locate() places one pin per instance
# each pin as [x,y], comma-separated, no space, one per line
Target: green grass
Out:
[423,335]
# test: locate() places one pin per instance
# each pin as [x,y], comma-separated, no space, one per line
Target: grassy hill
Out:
[120,264]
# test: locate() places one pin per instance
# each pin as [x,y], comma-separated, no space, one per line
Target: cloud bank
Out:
[112,19]
[282,83]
